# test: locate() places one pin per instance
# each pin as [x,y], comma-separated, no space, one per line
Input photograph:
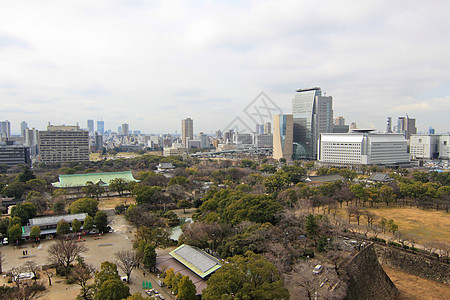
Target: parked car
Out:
[317,269]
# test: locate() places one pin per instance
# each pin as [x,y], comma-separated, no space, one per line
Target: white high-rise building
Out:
[187,130]
[5,128]
[23,127]
[444,146]
[90,125]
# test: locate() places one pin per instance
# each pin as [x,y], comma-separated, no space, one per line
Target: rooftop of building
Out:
[325,178]
[52,220]
[80,180]
[307,90]
[379,177]
[196,260]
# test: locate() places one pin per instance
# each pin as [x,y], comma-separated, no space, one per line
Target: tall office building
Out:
[283,134]
[407,126]
[125,129]
[389,125]
[90,125]
[267,128]
[23,127]
[5,128]
[63,144]
[31,140]
[259,129]
[312,115]
[187,130]
[101,127]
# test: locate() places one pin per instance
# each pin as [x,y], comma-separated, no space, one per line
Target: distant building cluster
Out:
[310,132]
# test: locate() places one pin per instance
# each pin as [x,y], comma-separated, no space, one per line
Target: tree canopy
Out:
[246,277]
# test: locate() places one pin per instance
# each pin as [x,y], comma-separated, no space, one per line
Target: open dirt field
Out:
[111,202]
[99,250]
[414,288]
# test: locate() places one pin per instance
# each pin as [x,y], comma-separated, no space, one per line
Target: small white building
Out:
[424,146]
[363,147]
[444,146]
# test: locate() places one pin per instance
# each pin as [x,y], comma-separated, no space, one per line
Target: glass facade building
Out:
[313,115]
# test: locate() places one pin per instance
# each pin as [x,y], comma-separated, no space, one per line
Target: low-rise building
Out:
[363,147]
[13,155]
[48,224]
[424,146]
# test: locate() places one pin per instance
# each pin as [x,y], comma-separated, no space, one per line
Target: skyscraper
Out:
[101,127]
[187,130]
[125,129]
[5,129]
[407,126]
[283,136]
[312,115]
[90,125]
[23,127]
[267,128]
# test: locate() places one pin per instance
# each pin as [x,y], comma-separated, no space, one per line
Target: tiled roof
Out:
[198,261]
[326,178]
[379,177]
[79,180]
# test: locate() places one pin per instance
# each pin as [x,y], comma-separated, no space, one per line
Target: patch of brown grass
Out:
[414,287]
[112,202]
[425,224]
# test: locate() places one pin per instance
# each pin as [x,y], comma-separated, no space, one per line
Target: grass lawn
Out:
[426,224]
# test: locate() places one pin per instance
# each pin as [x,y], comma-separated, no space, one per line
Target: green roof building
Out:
[79,180]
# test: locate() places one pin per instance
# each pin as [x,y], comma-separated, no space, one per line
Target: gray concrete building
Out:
[63,144]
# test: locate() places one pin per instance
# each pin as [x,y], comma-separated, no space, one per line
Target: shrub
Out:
[308,252]
[395,244]
[61,271]
[378,240]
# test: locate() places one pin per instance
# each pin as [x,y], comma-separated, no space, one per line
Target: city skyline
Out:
[151,64]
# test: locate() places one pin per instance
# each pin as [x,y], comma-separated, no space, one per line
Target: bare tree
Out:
[2,260]
[326,285]
[64,252]
[371,217]
[127,261]
[279,256]
[354,212]
[27,292]
[81,275]
[49,274]
[31,267]
[376,230]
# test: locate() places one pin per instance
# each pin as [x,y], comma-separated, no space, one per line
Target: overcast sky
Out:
[153,63]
